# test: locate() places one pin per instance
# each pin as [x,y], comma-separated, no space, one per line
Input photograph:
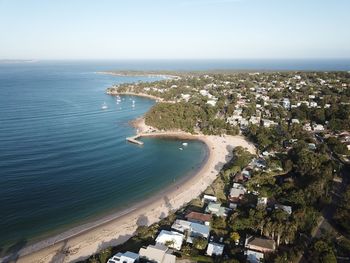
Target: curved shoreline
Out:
[80,242]
[117,228]
[28,253]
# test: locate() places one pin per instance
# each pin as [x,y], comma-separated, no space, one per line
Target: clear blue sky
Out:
[146,29]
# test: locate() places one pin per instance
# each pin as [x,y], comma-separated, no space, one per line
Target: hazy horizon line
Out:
[166,59]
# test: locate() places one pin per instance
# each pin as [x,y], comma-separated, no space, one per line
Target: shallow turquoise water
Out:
[64,160]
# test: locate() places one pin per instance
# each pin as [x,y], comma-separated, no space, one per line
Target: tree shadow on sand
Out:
[168,204]
[110,245]
[61,253]
[13,251]
[142,221]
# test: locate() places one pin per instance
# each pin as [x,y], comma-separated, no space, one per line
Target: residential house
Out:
[312,146]
[295,121]
[193,229]
[209,198]
[211,102]
[313,104]
[170,239]
[307,127]
[246,174]
[237,192]
[215,249]
[157,253]
[204,92]
[239,178]
[216,209]
[318,128]
[254,120]
[234,120]
[199,218]
[285,208]
[262,202]
[127,257]
[185,97]
[256,248]
[286,103]
[268,123]
[243,123]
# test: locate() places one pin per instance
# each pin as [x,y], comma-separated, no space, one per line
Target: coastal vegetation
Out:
[299,122]
[187,117]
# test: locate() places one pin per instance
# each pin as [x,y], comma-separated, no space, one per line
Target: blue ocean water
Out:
[64,160]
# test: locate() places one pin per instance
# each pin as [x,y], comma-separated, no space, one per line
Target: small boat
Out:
[104,106]
[185,144]
[181,149]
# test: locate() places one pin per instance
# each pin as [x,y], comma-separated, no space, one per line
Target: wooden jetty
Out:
[134,140]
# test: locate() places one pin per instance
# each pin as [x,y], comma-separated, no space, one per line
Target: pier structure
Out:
[134,139]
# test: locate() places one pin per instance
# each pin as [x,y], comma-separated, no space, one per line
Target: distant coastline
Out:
[134,73]
[16,61]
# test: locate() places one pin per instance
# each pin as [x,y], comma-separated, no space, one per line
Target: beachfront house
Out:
[199,218]
[215,249]
[157,253]
[192,229]
[127,257]
[256,248]
[216,209]
[209,198]
[170,239]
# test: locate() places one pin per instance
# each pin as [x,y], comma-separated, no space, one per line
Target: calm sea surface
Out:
[64,160]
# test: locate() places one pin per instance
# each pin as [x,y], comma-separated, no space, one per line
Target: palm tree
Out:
[289,232]
[279,230]
[268,228]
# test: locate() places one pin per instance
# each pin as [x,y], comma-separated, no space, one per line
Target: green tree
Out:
[200,243]
[235,237]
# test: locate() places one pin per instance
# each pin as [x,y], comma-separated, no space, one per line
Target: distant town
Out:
[289,202]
